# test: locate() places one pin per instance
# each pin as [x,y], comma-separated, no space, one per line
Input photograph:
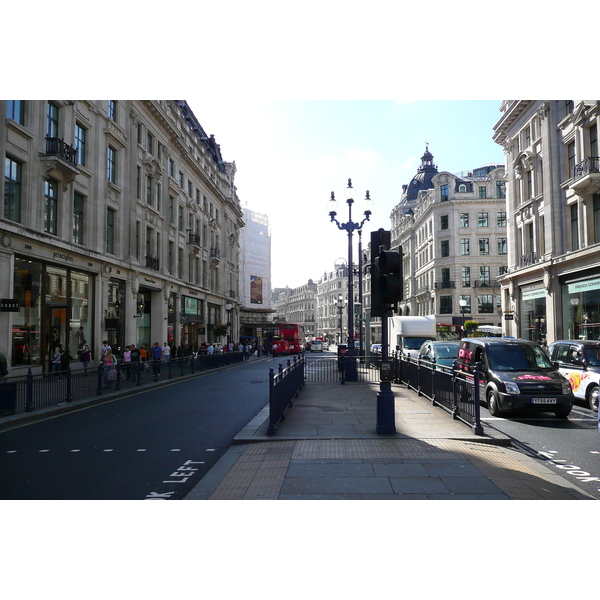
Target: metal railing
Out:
[57,147]
[590,165]
[31,392]
[454,391]
[283,388]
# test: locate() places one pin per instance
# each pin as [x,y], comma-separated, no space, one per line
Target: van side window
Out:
[561,353]
[478,355]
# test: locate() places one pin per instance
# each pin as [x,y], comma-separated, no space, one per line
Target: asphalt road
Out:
[156,444]
[570,447]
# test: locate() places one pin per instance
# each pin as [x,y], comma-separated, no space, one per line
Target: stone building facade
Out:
[120,221]
[552,288]
[452,229]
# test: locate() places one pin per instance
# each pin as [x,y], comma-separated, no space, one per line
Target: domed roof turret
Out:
[422,180]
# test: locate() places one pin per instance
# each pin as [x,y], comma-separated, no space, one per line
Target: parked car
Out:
[444,353]
[375,348]
[579,362]
[516,375]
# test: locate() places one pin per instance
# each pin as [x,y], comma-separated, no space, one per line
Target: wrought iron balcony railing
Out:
[57,147]
[590,165]
[528,259]
[152,262]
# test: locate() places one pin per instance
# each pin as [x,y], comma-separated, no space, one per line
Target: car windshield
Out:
[447,350]
[414,343]
[513,357]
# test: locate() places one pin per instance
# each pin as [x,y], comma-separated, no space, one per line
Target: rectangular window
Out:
[444,193]
[189,188]
[149,143]
[570,158]
[501,219]
[198,197]
[528,184]
[484,276]
[110,231]
[465,274]
[112,165]
[80,144]
[574,227]
[171,257]
[171,209]
[137,239]
[50,206]
[149,191]
[446,305]
[500,189]
[502,270]
[445,277]
[444,222]
[465,247]
[77,218]
[594,140]
[171,168]
[180,179]
[112,110]
[14,110]
[482,219]
[12,190]
[445,248]
[138,183]
[148,242]
[464,219]
[485,303]
[482,192]
[502,246]
[51,120]
[484,246]
[180,263]
[467,306]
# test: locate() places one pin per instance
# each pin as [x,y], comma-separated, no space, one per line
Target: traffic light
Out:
[387,283]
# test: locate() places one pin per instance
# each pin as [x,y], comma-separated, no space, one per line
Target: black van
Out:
[516,375]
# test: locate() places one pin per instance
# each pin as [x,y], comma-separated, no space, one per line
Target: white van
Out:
[316,346]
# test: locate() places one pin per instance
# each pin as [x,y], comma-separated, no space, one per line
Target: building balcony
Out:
[153,263]
[528,259]
[485,283]
[61,160]
[444,285]
[193,239]
[586,176]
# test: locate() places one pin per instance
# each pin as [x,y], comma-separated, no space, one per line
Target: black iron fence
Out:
[283,388]
[30,392]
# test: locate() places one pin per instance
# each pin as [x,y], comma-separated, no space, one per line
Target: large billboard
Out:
[256,289]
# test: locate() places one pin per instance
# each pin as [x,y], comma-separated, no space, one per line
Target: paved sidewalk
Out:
[327,448]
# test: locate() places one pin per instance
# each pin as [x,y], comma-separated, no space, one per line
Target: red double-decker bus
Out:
[287,339]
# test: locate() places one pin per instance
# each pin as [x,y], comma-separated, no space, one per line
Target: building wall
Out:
[124,226]
[552,288]
[453,240]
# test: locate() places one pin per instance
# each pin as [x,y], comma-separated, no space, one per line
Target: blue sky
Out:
[291,154]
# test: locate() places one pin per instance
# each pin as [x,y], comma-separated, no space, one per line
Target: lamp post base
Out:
[386,410]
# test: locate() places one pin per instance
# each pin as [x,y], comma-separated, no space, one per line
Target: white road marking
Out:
[44,450]
[76,450]
[107,450]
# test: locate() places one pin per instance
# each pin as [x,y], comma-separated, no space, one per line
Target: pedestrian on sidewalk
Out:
[166,352]
[109,363]
[127,362]
[86,358]
[56,363]
[156,355]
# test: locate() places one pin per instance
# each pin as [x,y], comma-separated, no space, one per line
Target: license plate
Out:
[544,400]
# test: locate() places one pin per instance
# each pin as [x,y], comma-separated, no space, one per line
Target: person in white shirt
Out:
[166,352]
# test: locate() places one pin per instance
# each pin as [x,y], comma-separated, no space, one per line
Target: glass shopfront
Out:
[192,323]
[54,312]
[533,313]
[581,309]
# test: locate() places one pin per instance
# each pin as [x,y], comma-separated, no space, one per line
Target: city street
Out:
[571,446]
[155,444]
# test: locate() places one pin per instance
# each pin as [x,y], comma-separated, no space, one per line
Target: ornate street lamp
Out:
[462,303]
[350,226]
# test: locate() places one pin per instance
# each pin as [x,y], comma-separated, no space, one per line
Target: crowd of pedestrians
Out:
[154,357]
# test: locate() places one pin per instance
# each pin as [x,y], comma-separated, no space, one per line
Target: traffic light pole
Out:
[386,409]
